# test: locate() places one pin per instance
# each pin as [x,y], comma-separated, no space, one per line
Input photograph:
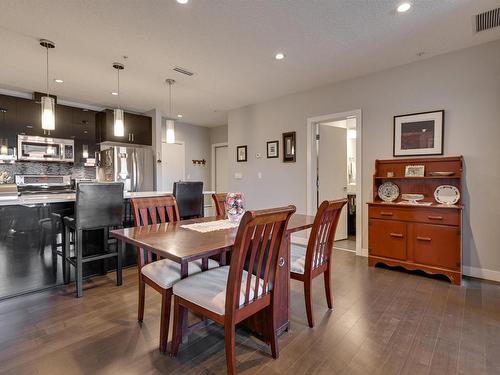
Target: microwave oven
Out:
[34,148]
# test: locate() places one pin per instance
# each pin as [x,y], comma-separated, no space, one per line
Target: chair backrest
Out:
[154,210]
[147,211]
[189,196]
[256,248]
[219,203]
[99,205]
[319,247]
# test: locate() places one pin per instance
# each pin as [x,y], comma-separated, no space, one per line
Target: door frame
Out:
[311,172]
[163,161]
[212,167]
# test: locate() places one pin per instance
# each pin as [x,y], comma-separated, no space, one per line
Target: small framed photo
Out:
[272,149]
[289,146]
[241,153]
[419,134]
[415,171]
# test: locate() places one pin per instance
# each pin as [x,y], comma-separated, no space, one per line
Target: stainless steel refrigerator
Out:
[132,165]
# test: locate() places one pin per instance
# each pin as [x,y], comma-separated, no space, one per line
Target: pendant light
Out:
[119,126]
[48,103]
[170,123]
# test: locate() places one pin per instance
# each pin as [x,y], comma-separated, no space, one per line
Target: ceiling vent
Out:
[487,20]
[178,69]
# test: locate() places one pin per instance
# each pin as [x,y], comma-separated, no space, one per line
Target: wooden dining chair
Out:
[306,264]
[230,294]
[219,203]
[160,274]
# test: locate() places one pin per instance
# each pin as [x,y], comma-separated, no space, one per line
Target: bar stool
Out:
[99,206]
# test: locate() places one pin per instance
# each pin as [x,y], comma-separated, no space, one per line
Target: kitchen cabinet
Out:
[426,237]
[8,120]
[138,128]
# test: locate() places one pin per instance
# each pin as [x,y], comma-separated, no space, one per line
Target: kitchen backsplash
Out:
[75,170]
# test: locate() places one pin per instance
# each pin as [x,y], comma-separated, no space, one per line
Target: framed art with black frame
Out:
[418,134]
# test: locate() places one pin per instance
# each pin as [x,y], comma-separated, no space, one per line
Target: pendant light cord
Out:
[118,90]
[47,48]
[170,98]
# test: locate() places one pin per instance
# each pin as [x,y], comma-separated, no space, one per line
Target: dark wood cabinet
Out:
[426,236]
[8,119]
[138,128]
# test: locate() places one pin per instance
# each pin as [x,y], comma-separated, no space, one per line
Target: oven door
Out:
[41,151]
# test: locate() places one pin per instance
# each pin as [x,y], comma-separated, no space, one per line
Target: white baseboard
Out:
[481,273]
[364,252]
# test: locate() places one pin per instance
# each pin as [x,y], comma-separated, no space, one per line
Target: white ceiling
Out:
[229,44]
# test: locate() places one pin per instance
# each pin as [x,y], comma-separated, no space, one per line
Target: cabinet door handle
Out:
[129,137]
[132,137]
[424,238]
[384,213]
[398,235]
[435,217]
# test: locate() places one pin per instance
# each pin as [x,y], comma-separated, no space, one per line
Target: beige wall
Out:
[466,84]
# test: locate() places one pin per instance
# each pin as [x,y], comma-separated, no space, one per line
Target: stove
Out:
[43,184]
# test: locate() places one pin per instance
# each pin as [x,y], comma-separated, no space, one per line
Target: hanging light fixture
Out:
[170,123]
[119,125]
[48,103]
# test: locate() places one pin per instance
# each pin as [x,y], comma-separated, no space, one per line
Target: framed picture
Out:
[419,134]
[289,147]
[415,171]
[241,153]
[272,149]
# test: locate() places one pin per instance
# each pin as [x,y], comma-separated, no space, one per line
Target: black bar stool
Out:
[99,206]
[189,197]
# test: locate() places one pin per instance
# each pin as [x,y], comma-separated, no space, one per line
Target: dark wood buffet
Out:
[425,236]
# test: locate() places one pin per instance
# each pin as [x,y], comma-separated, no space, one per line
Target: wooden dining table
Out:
[183,245]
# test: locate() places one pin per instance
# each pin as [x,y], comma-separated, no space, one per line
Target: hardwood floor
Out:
[383,322]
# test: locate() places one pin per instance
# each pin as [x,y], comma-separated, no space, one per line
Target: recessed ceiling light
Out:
[114,93]
[179,115]
[404,7]
[57,80]
[182,1]
[279,56]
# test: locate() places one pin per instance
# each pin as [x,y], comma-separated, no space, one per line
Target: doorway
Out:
[173,164]
[333,158]
[220,175]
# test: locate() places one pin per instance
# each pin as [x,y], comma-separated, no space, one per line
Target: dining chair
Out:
[230,294]
[306,264]
[189,196]
[160,274]
[219,203]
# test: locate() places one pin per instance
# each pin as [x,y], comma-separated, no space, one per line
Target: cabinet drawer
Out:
[387,239]
[443,216]
[436,245]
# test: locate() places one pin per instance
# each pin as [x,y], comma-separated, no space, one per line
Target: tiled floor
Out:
[383,322]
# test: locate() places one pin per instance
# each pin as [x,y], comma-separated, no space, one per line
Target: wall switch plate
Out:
[238,176]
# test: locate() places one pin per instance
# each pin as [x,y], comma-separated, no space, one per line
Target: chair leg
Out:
[166,300]
[43,239]
[308,299]
[273,337]
[328,289]
[79,263]
[65,253]
[142,296]
[230,339]
[178,321]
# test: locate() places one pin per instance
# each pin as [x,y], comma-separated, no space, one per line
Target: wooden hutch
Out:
[417,236]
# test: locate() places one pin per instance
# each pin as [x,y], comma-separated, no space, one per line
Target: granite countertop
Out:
[29,200]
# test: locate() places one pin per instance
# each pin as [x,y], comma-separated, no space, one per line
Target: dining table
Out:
[172,240]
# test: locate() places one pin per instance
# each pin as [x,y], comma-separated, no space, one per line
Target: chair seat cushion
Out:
[166,272]
[208,289]
[298,260]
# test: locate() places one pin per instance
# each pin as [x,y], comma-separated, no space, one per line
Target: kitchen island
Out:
[26,257]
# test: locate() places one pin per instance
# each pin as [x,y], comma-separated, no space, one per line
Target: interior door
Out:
[173,164]
[332,170]
[221,172]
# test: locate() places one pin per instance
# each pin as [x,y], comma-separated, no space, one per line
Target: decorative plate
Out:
[388,191]
[447,194]
[442,173]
